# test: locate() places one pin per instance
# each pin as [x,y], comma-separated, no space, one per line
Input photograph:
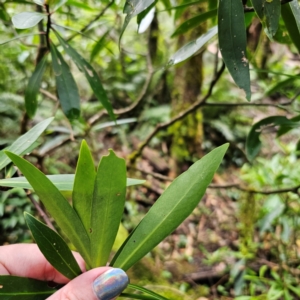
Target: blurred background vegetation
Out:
[243,240]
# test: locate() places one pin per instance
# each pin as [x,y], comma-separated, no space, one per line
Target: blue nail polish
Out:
[110,284]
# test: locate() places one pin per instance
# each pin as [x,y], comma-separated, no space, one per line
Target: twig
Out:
[40,211]
[135,104]
[237,186]
[49,95]
[252,191]
[278,105]
[96,18]
[179,117]
[153,174]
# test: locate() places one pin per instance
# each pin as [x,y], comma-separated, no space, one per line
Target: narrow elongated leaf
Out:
[90,74]
[137,296]
[84,185]
[193,47]
[26,20]
[185,5]
[53,247]
[107,207]
[145,18]
[24,142]
[172,207]
[253,143]
[18,37]
[15,288]
[232,41]
[194,22]
[291,15]
[146,291]
[269,14]
[66,86]
[59,208]
[133,8]
[33,87]
[99,45]
[63,182]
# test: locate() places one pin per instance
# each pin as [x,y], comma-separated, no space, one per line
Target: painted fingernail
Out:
[110,284]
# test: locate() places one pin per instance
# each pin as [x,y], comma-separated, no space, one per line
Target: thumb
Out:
[97,284]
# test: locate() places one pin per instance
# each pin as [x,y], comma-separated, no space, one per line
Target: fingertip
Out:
[110,284]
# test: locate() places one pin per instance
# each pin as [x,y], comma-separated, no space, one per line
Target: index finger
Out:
[26,260]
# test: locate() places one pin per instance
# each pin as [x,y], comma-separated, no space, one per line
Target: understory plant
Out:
[92,220]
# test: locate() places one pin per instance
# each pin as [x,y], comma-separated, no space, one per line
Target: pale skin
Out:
[26,260]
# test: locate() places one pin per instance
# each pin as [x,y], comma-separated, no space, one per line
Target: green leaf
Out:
[24,142]
[14,288]
[146,291]
[133,8]
[193,47]
[66,86]
[253,143]
[172,207]
[99,45]
[291,15]
[185,5]
[90,75]
[232,41]
[107,207]
[194,22]
[283,129]
[63,182]
[145,18]
[26,20]
[33,87]
[18,37]
[80,5]
[84,185]
[55,203]
[268,12]
[283,85]
[54,248]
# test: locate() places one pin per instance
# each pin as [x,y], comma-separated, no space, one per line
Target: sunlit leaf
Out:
[170,210]
[107,207]
[253,143]
[145,18]
[193,47]
[82,196]
[39,2]
[15,288]
[194,22]
[33,86]
[27,19]
[232,42]
[291,15]
[62,182]
[55,203]
[24,142]
[90,74]
[133,8]
[66,86]
[53,247]
[269,14]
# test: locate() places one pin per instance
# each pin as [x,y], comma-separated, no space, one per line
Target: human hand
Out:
[26,260]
